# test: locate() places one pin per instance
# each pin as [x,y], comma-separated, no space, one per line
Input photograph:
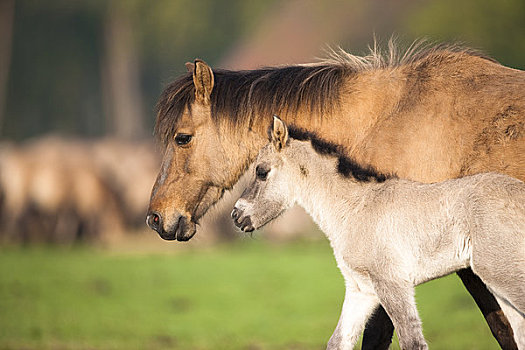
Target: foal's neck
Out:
[333,200]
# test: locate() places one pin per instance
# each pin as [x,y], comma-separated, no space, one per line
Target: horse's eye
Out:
[261,172]
[182,139]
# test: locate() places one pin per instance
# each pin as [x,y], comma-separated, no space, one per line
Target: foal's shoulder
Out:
[492,179]
[481,183]
[493,186]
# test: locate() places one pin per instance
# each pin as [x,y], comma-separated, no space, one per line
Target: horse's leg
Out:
[357,307]
[400,304]
[378,331]
[517,321]
[499,264]
[498,323]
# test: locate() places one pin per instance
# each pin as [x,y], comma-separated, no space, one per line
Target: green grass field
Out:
[251,295]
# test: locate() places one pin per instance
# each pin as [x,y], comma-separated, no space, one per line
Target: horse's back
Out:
[452,117]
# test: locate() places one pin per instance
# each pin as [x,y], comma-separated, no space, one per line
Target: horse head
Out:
[190,180]
[213,124]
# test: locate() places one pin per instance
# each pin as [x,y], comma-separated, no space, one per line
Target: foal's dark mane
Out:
[245,97]
[345,165]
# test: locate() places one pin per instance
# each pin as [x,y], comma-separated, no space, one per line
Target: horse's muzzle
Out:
[183,229]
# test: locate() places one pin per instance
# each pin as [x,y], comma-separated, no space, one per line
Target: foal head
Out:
[270,192]
[294,163]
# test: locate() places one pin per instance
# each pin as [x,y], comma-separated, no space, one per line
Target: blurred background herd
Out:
[79,81]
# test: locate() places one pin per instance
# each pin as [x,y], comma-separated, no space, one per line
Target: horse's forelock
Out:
[174,100]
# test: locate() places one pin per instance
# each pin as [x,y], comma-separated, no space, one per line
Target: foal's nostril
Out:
[246,224]
[235,213]
[154,221]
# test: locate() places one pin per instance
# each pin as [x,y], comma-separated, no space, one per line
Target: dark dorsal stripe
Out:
[345,165]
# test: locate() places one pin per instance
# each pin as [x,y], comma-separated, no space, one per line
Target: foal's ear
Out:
[203,81]
[279,133]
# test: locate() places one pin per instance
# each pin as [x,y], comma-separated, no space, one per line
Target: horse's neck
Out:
[242,148]
[365,98]
[348,124]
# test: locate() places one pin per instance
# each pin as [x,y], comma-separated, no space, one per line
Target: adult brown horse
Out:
[429,115]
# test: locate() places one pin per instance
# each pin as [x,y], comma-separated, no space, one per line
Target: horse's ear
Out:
[279,133]
[203,80]
[190,66]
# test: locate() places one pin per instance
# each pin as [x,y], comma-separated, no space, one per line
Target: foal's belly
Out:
[440,261]
[430,243]
[433,271]
[417,261]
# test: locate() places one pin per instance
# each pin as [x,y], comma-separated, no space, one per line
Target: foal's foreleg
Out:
[400,304]
[357,307]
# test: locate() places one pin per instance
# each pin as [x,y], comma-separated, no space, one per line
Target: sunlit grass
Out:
[252,295]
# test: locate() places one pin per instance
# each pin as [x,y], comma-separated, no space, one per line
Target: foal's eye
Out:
[262,173]
[183,139]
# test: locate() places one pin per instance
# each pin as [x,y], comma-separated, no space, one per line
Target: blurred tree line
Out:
[94,67]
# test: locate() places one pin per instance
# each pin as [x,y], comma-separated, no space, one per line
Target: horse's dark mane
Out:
[345,165]
[241,96]
[245,97]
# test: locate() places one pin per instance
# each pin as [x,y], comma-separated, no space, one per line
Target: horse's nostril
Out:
[154,221]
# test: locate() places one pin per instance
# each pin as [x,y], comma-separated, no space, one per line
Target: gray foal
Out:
[388,234]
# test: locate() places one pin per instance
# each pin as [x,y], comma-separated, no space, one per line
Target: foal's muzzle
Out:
[241,221]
